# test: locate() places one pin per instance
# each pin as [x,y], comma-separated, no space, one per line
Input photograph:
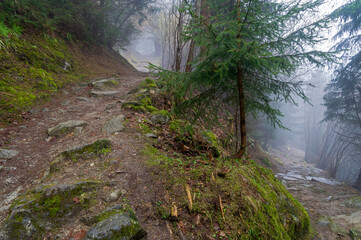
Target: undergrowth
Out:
[255,205]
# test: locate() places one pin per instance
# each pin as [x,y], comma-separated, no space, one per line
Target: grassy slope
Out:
[34,65]
[255,204]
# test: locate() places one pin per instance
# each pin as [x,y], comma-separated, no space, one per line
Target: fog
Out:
[306,137]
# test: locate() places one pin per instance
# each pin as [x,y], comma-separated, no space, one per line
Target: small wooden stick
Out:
[189,195]
[221,206]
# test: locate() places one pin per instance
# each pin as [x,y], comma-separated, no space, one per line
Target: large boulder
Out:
[46,208]
[65,127]
[117,224]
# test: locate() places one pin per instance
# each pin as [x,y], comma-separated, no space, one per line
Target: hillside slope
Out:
[34,66]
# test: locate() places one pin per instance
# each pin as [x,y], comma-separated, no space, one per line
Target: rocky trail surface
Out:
[80,152]
[334,207]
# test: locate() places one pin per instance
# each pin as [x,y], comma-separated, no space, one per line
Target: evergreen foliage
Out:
[106,22]
[343,97]
[262,42]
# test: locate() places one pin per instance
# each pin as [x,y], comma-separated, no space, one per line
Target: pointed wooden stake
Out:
[174,214]
[221,206]
[189,195]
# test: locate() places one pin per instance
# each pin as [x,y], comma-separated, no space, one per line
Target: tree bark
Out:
[242,113]
[242,110]
[190,56]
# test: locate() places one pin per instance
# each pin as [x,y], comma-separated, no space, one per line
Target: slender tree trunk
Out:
[242,110]
[242,113]
[190,56]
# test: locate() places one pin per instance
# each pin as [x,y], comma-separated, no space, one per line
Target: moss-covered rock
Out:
[105,84]
[88,151]
[148,83]
[65,127]
[45,208]
[160,117]
[213,143]
[116,223]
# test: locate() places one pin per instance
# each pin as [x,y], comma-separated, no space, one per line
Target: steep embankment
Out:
[34,66]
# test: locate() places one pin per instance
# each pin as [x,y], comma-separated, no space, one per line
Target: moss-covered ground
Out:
[218,197]
[35,65]
[32,67]
[232,199]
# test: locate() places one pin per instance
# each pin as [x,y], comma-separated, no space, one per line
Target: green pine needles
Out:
[248,50]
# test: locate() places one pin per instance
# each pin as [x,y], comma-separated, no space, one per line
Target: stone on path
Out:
[65,127]
[118,226]
[114,195]
[7,154]
[65,103]
[84,99]
[105,84]
[104,93]
[114,125]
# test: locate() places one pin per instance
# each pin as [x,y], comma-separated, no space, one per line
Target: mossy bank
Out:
[36,65]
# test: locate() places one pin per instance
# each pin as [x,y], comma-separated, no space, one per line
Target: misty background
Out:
[306,136]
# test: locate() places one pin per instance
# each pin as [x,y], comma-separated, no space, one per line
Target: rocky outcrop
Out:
[116,223]
[46,208]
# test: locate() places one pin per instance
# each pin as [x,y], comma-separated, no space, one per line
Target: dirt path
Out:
[325,199]
[124,167]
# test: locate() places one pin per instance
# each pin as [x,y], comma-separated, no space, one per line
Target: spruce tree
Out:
[343,97]
[249,48]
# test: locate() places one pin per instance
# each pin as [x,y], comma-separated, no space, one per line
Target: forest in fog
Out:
[282,73]
[311,48]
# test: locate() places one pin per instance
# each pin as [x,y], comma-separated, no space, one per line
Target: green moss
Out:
[31,69]
[180,127]
[148,83]
[144,128]
[52,205]
[164,113]
[256,205]
[99,147]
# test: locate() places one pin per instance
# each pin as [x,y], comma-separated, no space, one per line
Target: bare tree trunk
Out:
[192,44]
[242,109]
[242,113]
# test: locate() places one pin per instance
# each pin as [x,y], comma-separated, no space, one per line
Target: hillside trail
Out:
[334,207]
[125,167]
